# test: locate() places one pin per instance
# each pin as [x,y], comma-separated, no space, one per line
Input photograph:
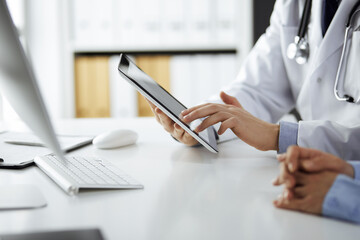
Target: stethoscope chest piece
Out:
[299,51]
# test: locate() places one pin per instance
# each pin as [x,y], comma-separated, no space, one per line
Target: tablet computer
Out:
[163,100]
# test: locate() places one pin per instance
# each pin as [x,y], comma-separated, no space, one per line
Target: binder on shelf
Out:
[158,68]
[82,79]
[123,101]
[92,86]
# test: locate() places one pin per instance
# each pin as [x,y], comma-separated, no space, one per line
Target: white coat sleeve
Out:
[330,137]
[262,85]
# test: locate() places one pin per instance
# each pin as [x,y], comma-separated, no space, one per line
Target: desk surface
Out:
[189,193]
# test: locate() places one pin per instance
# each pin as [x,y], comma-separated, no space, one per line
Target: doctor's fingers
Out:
[165,121]
[155,114]
[213,119]
[229,123]
[203,111]
[153,109]
[181,135]
[228,99]
[178,132]
[189,110]
[151,104]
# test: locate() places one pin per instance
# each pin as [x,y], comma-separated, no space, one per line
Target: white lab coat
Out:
[269,84]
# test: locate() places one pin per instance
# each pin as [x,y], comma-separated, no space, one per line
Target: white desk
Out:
[189,193]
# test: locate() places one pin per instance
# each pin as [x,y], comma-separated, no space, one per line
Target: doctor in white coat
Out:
[270,84]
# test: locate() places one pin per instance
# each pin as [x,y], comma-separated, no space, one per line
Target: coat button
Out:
[319,80]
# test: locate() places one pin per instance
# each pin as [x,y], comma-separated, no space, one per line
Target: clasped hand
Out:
[307,175]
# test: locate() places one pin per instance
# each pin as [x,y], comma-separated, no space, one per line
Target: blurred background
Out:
[192,48]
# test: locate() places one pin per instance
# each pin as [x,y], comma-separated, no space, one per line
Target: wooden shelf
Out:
[81,50]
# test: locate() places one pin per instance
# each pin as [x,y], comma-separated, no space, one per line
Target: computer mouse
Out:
[115,139]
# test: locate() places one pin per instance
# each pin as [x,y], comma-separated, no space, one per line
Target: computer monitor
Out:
[19,85]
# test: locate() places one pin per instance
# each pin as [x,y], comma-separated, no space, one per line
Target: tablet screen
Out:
[150,89]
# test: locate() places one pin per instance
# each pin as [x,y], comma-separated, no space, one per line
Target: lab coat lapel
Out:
[334,38]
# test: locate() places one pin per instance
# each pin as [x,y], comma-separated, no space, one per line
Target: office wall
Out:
[49,31]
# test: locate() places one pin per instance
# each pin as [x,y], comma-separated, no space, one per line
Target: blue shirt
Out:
[288,135]
[343,199]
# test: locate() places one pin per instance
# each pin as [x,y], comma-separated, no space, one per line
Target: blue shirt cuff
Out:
[288,135]
[356,166]
[343,199]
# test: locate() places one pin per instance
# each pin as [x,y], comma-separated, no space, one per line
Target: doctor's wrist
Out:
[275,129]
[270,138]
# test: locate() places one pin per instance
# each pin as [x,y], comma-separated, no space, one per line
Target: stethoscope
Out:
[343,60]
[299,50]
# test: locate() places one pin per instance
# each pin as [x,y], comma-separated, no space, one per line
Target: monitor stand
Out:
[16,196]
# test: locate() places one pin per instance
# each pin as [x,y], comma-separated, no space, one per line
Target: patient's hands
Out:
[308,160]
[308,175]
[309,193]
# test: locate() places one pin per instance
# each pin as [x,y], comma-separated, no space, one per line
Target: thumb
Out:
[227,99]
[321,163]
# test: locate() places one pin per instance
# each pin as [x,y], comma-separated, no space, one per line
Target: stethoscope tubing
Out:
[343,60]
[353,12]
[305,19]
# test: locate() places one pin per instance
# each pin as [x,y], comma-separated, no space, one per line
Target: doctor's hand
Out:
[309,193]
[173,128]
[311,161]
[255,132]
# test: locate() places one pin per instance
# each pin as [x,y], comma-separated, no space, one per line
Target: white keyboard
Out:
[80,172]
